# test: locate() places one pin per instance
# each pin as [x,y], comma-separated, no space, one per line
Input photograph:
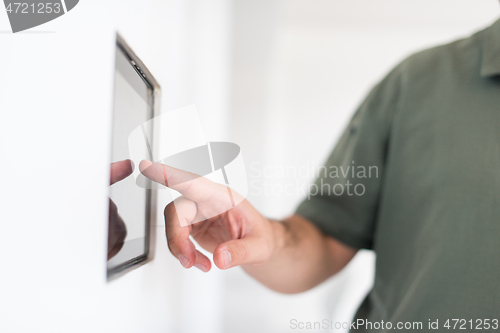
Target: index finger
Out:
[190,185]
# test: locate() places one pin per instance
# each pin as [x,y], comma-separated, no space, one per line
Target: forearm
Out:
[302,257]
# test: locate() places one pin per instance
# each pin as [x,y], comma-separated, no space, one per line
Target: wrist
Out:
[275,239]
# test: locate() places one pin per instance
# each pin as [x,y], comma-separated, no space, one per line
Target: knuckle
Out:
[173,246]
[242,254]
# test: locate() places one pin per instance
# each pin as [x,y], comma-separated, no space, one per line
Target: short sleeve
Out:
[343,201]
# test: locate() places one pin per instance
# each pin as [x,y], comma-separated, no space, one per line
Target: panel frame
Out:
[151,206]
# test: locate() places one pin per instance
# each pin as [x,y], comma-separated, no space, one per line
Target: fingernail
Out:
[226,258]
[184,261]
[201,267]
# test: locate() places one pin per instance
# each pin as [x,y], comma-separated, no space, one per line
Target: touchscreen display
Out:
[128,239]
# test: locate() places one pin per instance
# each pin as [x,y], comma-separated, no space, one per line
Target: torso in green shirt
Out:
[432,128]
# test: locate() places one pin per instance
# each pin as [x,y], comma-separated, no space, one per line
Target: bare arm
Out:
[303,257]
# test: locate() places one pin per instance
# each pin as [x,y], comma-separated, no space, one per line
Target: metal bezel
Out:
[146,75]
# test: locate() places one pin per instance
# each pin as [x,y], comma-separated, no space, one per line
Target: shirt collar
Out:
[490,65]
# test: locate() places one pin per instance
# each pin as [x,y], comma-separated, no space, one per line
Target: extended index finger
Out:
[190,185]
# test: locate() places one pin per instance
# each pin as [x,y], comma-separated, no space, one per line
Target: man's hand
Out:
[290,256]
[239,236]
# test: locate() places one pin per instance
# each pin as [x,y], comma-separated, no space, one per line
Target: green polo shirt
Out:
[416,178]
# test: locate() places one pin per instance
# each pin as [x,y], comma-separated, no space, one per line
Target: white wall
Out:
[55,112]
[300,70]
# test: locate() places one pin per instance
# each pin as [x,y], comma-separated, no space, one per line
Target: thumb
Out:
[250,250]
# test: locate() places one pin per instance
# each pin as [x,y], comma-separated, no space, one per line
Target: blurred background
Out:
[280,78]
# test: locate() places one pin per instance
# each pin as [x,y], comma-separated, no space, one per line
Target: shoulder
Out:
[424,75]
[457,59]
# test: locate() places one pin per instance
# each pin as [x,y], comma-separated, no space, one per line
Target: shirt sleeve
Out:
[343,201]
